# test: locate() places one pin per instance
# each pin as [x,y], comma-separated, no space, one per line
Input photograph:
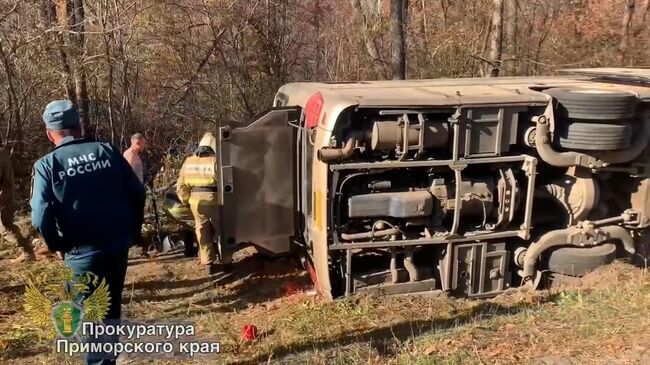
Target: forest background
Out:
[172,68]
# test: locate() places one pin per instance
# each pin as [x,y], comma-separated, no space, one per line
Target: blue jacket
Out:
[86,196]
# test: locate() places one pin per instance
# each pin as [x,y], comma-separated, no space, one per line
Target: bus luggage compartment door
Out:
[258,166]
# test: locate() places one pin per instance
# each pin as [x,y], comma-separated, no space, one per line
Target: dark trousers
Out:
[10,232]
[112,267]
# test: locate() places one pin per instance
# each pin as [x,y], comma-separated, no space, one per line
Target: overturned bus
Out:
[467,186]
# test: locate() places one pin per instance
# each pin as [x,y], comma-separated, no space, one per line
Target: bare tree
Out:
[496,41]
[12,98]
[511,36]
[71,19]
[644,15]
[399,16]
[104,9]
[49,14]
[626,30]
[369,40]
[78,40]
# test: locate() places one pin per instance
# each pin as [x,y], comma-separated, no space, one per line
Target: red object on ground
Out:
[249,332]
[312,272]
[290,288]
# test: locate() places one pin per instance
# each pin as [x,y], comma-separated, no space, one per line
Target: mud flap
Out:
[309,267]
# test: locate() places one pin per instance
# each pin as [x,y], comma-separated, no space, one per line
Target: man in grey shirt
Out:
[132,155]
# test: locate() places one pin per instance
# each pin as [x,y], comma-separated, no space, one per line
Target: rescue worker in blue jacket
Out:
[87,203]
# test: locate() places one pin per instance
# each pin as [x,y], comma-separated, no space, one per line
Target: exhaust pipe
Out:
[582,235]
[369,235]
[560,159]
[333,154]
[602,159]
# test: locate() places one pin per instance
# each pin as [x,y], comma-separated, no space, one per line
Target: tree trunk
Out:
[78,38]
[625,30]
[369,40]
[50,11]
[318,44]
[399,15]
[110,70]
[496,40]
[646,7]
[511,37]
[641,26]
[13,101]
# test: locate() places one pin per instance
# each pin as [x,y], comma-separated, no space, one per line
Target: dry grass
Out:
[602,320]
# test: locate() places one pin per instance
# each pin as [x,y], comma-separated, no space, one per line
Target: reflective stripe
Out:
[200,171]
[203,200]
[319,210]
[203,182]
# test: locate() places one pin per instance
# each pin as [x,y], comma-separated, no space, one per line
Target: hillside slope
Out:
[601,320]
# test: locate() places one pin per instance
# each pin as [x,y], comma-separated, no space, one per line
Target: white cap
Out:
[208,140]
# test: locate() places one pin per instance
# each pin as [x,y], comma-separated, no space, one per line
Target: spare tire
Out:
[593,136]
[578,261]
[593,104]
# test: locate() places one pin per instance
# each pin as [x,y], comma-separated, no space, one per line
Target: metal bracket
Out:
[507,190]
[406,124]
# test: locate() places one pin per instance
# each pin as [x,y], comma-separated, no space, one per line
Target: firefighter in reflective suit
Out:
[197,185]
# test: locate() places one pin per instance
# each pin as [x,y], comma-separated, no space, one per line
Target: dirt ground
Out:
[600,320]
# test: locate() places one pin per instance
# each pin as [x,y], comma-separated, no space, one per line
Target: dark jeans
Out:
[112,267]
[10,232]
